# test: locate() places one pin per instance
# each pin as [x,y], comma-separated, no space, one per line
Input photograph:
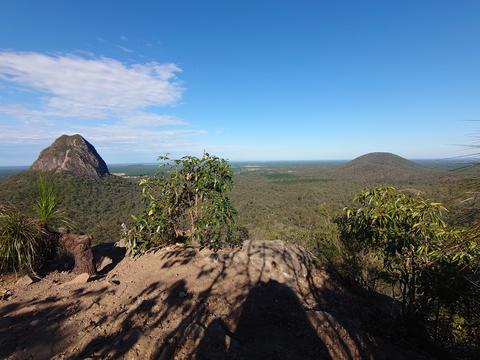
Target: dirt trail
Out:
[263,301]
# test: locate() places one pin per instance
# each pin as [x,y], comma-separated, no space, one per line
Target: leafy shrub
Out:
[436,267]
[404,231]
[186,201]
[24,242]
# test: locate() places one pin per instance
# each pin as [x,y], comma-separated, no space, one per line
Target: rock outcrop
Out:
[72,154]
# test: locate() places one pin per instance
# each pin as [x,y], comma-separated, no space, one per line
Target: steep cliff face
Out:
[72,154]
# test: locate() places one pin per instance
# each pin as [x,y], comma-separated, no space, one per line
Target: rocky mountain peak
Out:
[72,154]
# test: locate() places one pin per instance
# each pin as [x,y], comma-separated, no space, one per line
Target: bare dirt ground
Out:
[263,301]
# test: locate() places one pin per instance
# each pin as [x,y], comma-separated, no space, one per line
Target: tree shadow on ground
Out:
[110,251]
[29,329]
[279,307]
[36,326]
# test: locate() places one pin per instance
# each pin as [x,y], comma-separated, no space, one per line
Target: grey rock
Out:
[80,279]
[102,262]
[25,281]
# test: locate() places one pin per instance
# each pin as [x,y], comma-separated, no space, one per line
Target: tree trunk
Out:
[79,246]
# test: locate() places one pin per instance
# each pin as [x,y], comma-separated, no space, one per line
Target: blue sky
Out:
[246,80]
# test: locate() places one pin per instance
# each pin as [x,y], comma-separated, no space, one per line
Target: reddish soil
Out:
[263,301]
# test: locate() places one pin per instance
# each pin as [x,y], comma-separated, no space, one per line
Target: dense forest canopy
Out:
[272,199]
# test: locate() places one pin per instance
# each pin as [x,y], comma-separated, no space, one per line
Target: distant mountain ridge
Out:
[382,166]
[72,154]
[383,159]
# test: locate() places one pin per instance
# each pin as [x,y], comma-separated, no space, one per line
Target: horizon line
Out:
[453,159]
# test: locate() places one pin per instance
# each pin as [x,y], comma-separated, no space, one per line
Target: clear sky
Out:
[246,80]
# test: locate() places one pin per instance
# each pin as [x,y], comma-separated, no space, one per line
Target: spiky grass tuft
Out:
[23,241]
[46,206]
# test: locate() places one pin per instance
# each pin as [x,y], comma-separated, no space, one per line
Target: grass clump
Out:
[26,242]
[23,241]
[46,207]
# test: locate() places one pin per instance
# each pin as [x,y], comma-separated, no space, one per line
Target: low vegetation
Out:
[27,242]
[24,241]
[85,201]
[319,233]
[272,201]
[404,242]
[187,200]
